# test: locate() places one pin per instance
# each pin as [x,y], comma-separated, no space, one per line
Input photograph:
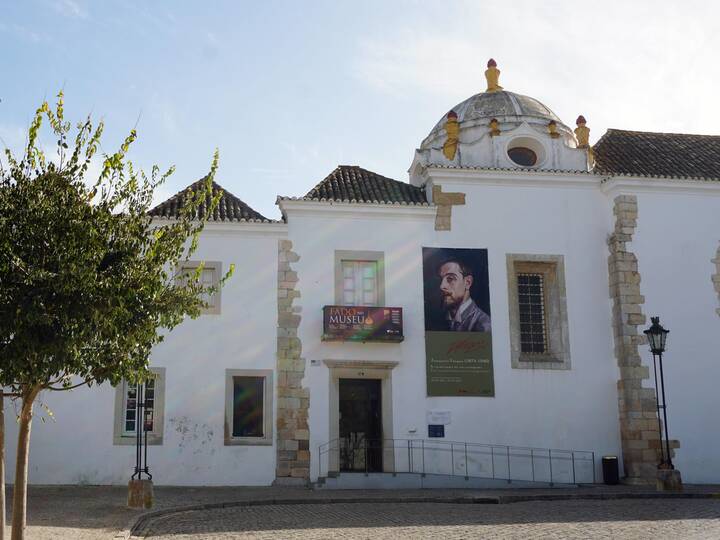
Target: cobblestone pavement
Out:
[627,519]
[100,512]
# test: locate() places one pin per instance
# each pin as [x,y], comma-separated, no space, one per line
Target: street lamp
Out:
[657,336]
[143,424]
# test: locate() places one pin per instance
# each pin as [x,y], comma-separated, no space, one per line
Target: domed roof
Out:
[502,105]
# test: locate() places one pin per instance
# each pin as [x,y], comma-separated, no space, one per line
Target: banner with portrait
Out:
[458,331]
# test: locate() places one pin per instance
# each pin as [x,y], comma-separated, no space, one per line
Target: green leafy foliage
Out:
[88,282]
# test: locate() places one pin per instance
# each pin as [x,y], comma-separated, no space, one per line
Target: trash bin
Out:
[611,475]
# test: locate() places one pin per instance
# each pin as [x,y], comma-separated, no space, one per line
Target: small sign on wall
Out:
[439,417]
[436,431]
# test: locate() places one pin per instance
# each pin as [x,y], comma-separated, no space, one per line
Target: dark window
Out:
[523,156]
[531,299]
[248,398]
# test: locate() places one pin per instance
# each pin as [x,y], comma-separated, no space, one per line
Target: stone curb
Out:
[137,524]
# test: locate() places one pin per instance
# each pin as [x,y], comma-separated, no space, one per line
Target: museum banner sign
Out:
[362,323]
[458,336]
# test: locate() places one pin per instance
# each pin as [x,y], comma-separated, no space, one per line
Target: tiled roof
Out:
[668,155]
[230,208]
[572,172]
[350,183]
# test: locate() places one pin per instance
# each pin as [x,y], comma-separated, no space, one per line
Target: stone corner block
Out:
[291,481]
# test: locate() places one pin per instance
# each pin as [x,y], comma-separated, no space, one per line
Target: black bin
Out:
[611,475]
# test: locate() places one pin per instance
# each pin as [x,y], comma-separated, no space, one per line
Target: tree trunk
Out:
[2,465]
[19,511]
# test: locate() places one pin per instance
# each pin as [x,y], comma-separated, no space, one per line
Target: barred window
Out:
[539,333]
[531,304]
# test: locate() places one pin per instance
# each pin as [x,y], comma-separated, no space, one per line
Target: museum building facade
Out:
[487,314]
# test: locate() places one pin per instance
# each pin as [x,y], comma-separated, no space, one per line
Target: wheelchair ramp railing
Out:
[462,459]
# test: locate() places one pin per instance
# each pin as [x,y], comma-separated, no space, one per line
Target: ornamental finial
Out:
[582,132]
[552,129]
[452,128]
[492,75]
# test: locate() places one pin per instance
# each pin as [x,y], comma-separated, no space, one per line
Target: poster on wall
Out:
[458,336]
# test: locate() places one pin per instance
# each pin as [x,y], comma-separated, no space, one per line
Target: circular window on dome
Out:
[526,151]
[523,156]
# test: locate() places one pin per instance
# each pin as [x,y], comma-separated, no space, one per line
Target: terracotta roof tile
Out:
[230,208]
[355,184]
[668,155]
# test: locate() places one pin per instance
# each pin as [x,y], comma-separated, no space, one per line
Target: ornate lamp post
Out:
[657,336]
[140,490]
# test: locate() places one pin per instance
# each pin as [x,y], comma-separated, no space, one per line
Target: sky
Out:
[288,90]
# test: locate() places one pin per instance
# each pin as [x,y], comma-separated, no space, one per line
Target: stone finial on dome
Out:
[452,128]
[494,128]
[492,75]
[552,129]
[582,132]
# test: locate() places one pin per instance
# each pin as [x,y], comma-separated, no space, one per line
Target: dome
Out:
[498,128]
[506,107]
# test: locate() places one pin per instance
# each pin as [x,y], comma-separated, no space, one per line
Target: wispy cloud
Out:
[70,8]
[270,173]
[13,137]
[22,32]
[594,60]
[211,46]
[406,62]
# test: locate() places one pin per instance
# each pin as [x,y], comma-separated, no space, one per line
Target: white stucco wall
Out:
[676,239]
[575,409]
[77,447]
[677,235]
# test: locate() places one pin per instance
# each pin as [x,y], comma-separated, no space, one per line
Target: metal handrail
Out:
[474,460]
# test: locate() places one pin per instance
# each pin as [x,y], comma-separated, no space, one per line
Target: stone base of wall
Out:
[668,480]
[293,401]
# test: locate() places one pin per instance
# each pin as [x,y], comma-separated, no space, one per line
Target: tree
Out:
[87,282]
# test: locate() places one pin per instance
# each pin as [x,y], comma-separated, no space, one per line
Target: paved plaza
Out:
[627,519]
[222,513]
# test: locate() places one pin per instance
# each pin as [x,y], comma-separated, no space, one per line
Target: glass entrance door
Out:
[360,425]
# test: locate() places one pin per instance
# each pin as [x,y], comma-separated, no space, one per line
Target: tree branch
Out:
[68,387]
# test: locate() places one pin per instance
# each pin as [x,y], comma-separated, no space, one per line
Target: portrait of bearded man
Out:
[461,312]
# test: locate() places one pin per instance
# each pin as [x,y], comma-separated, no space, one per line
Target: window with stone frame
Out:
[248,407]
[209,277]
[359,278]
[360,283]
[128,412]
[538,312]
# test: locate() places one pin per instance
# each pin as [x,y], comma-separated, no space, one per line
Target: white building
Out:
[556,237]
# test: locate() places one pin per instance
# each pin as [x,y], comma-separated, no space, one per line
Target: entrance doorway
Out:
[361,430]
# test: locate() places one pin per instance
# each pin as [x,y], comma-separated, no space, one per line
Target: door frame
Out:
[361,369]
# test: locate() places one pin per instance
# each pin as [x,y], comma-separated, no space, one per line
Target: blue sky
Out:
[288,90]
